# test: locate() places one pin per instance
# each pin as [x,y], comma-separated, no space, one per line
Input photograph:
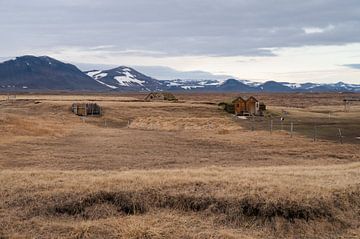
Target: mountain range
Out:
[30,73]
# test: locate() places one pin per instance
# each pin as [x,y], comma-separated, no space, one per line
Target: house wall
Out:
[86,109]
[82,110]
[240,107]
[251,106]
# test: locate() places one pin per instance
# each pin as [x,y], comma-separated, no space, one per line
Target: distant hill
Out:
[126,79]
[232,85]
[273,86]
[44,73]
[30,73]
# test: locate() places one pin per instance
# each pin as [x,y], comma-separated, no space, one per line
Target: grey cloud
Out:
[177,27]
[160,72]
[167,73]
[353,66]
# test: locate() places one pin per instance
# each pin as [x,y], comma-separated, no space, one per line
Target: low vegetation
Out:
[171,170]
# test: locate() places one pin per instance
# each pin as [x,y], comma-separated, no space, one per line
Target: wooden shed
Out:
[248,106]
[85,109]
[252,106]
[160,96]
[239,106]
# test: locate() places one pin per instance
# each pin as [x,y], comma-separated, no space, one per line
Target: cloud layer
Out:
[178,27]
[353,66]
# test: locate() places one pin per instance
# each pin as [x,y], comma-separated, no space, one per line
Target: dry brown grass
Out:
[275,201]
[188,123]
[181,170]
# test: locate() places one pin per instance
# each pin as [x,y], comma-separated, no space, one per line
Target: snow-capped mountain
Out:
[179,84]
[125,79]
[30,73]
[249,86]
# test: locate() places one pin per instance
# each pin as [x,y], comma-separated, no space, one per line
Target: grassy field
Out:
[177,170]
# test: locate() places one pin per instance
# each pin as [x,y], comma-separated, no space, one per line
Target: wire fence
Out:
[342,132]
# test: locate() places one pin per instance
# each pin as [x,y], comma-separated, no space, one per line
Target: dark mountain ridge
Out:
[44,73]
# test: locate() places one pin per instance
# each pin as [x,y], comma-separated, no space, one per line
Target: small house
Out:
[160,96]
[85,109]
[252,106]
[244,106]
[239,106]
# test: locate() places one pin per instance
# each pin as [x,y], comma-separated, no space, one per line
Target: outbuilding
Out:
[85,109]
[160,96]
[247,106]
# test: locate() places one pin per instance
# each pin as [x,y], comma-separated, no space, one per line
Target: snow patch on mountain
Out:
[110,86]
[190,87]
[93,73]
[128,81]
[292,85]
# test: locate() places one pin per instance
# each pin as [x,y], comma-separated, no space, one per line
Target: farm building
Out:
[84,109]
[244,106]
[160,96]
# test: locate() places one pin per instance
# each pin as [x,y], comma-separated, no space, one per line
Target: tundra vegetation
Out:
[182,169]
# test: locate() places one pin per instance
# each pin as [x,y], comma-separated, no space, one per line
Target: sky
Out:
[282,40]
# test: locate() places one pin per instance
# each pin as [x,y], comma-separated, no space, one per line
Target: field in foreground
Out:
[172,170]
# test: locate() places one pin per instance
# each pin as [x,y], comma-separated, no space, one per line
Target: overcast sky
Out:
[297,41]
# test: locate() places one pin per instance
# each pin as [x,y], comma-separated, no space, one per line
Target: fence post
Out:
[252,123]
[291,129]
[340,136]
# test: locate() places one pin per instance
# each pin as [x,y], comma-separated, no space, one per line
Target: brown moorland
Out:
[177,170]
